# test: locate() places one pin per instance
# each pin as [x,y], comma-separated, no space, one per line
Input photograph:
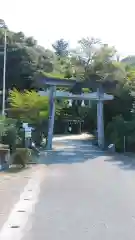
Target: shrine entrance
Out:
[75,93]
[73,126]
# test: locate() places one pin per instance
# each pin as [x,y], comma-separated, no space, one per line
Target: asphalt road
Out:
[86,195]
[11,186]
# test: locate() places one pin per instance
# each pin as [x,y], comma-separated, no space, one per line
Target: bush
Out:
[4,156]
[10,138]
[21,156]
[117,129]
[115,132]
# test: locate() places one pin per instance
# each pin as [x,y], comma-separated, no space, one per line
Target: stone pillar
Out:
[100,120]
[80,127]
[51,116]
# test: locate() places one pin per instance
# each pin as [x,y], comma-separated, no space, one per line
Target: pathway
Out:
[85,194]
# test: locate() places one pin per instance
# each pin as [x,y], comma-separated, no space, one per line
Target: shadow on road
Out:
[122,161]
[75,152]
[71,149]
[85,152]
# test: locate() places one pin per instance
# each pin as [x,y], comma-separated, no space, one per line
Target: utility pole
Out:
[4,73]
[100,119]
[3,26]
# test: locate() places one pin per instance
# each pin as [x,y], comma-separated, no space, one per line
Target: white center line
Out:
[18,218]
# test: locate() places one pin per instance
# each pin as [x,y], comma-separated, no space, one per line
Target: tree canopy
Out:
[91,61]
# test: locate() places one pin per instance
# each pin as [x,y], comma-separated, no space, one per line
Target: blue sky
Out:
[112,21]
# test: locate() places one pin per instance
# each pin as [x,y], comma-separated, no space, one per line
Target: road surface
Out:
[85,195]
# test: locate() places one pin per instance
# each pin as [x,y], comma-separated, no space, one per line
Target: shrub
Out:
[10,138]
[115,132]
[117,129]
[21,156]
[4,156]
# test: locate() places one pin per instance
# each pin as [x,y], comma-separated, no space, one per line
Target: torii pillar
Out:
[100,120]
[51,116]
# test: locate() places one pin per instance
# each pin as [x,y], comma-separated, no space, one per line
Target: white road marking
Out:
[18,218]
[67,154]
[72,137]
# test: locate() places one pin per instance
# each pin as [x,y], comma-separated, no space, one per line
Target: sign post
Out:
[28,131]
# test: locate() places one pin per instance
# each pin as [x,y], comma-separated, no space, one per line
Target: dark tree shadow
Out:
[79,151]
[123,161]
[74,153]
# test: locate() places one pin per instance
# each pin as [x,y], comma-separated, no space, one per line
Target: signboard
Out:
[28,132]
[25,125]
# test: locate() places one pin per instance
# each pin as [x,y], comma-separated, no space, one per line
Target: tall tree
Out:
[2,24]
[24,60]
[61,48]
[82,56]
[28,106]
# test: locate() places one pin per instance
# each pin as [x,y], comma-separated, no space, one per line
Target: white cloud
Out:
[48,20]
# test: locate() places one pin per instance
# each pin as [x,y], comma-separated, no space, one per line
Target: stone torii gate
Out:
[98,96]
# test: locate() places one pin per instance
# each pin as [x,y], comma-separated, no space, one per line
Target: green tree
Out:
[61,48]
[28,106]
[82,56]
[24,59]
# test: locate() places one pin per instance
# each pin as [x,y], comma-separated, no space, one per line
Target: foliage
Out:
[10,133]
[27,63]
[21,156]
[24,59]
[2,127]
[28,106]
[61,48]
[129,60]
[5,157]
[117,129]
[115,132]
[6,124]
[105,66]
